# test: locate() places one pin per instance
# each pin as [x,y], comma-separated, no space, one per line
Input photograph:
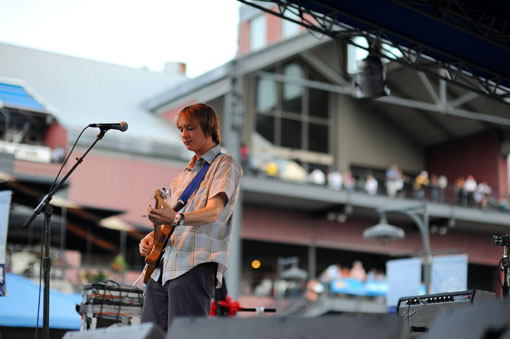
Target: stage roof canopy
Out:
[470,39]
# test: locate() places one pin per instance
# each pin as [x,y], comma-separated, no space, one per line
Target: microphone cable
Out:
[67,158]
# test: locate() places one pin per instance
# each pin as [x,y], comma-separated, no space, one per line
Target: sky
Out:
[148,33]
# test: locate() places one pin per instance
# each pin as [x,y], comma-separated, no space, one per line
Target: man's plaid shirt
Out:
[190,246]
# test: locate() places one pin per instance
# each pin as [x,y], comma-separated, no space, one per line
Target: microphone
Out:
[122,126]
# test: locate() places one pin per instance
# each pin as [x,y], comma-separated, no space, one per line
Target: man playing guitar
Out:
[196,253]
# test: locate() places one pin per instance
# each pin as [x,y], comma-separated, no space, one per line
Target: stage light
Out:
[371,78]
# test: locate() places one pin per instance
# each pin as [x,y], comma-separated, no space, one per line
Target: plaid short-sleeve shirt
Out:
[190,246]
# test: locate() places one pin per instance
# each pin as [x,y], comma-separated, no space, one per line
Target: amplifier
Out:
[106,304]
[419,311]
[112,294]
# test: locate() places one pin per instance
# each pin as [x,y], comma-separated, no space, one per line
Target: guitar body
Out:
[161,235]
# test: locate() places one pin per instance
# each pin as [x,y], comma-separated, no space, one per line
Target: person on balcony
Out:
[460,192]
[420,182]
[334,180]
[371,185]
[470,189]
[482,194]
[443,184]
[394,181]
[349,181]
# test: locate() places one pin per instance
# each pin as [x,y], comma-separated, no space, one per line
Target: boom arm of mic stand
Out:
[47,198]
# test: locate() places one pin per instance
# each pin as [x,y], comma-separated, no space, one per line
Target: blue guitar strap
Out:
[193,185]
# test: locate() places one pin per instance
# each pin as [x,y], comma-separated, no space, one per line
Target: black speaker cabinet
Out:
[143,331]
[484,320]
[420,311]
[325,327]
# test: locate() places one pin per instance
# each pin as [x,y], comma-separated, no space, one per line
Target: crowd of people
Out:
[312,288]
[463,191]
[466,191]
[357,272]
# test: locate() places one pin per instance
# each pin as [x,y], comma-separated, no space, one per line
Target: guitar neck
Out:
[159,196]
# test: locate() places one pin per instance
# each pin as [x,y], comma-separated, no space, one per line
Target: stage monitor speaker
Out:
[485,320]
[142,331]
[325,327]
[420,311]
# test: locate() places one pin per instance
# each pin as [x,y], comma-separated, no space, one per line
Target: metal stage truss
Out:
[322,17]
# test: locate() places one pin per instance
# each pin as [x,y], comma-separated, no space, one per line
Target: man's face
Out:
[192,136]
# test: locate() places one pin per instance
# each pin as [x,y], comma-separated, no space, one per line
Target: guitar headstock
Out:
[159,196]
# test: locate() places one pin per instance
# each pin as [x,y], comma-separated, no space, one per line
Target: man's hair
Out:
[205,116]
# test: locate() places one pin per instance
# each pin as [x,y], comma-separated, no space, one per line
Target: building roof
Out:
[79,92]
[17,96]
[191,86]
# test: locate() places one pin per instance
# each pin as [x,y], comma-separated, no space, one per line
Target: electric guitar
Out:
[161,235]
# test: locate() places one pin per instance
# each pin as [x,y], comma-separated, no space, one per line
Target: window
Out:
[292,93]
[318,138]
[292,117]
[266,95]
[291,133]
[258,32]
[318,103]
[265,127]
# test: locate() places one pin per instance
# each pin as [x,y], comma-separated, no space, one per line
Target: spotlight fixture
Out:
[371,78]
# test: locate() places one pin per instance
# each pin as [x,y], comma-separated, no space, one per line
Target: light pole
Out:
[291,273]
[384,232]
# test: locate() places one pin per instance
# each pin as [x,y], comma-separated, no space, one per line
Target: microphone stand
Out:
[504,266]
[46,260]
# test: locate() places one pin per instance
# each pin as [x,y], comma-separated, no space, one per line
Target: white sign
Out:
[404,279]
[449,273]
[34,153]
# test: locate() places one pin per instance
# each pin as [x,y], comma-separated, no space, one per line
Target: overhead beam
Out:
[326,70]
[430,89]
[446,132]
[463,99]
[449,110]
[388,99]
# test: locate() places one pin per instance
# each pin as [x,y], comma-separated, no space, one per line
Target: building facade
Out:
[289,111]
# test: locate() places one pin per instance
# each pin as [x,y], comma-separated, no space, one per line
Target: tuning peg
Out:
[167,192]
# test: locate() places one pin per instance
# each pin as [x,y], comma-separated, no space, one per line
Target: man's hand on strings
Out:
[162,216]
[146,244]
